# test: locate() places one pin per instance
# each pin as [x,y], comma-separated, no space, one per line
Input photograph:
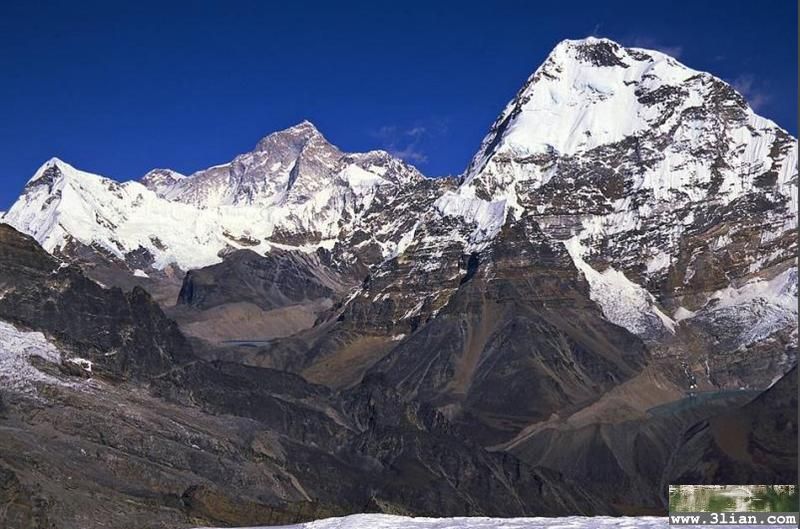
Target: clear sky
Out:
[119,88]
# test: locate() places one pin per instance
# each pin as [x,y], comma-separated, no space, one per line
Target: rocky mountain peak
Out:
[49,173]
[55,174]
[639,117]
[300,133]
[587,93]
[591,50]
[301,138]
[161,179]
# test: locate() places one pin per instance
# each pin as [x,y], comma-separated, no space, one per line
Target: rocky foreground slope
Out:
[612,275]
[98,431]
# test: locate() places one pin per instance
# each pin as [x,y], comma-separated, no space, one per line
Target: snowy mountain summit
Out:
[685,135]
[286,166]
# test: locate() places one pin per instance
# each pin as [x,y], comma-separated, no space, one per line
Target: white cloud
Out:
[653,44]
[407,143]
[747,86]
[409,154]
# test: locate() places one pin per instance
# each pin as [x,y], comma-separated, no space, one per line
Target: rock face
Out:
[754,444]
[280,278]
[121,333]
[612,274]
[253,297]
[446,461]
[627,437]
[520,312]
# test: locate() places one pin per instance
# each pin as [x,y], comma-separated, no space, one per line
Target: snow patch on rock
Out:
[487,217]
[16,349]
[622,301]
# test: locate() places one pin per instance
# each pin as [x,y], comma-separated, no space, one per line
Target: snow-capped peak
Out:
[593,94]
[586,93]
[48,165]
[55,172]
[296,136]
[58,202]
[161,180]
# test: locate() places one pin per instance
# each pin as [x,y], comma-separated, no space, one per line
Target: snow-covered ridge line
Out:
[294,191]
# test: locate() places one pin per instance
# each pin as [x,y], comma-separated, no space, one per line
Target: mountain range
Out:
[303,332]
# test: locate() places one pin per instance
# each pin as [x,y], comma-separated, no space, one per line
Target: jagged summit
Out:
[594,94]
[304,125]
[300,134]
[596,51]
[302,128]
[586,93]
[47,169]
[49,163]
[266,175]
[161,178]
[601,51]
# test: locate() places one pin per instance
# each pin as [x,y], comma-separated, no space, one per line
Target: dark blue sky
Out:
[121,87]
